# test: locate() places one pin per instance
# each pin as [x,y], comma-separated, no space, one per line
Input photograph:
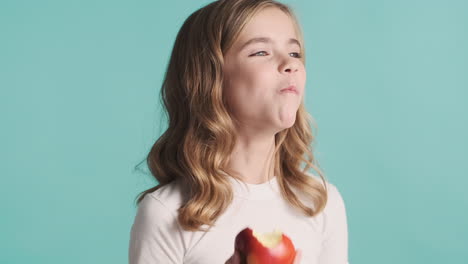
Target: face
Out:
[256,73]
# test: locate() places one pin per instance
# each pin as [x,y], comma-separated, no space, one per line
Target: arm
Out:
[155,235]
[335,232]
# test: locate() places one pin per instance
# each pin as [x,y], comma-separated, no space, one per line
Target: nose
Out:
[289,65]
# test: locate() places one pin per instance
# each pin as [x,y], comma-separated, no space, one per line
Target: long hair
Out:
[201,133]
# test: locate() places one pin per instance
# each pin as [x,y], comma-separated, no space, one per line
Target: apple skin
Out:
[253,251]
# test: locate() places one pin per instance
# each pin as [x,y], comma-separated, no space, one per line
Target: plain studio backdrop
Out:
[387,83]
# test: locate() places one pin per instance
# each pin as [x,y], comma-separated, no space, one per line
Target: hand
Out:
[297,259]
[236,259]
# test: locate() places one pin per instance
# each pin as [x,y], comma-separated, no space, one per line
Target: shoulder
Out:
[151,211]
[160,206]
[158,211]
[170,196]
[335,200]
[155,234]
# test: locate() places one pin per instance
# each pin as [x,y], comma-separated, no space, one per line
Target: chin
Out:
[290,122]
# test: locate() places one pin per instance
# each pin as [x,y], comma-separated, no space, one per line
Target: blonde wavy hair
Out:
[201,134]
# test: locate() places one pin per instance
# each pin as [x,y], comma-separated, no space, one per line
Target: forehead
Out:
[269,22]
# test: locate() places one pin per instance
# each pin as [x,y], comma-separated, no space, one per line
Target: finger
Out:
[297,259]
[234,259]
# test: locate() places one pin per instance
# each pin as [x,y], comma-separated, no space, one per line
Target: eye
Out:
[298,54]
[258,53]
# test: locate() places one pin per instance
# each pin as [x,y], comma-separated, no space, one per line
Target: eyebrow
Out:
[267,40]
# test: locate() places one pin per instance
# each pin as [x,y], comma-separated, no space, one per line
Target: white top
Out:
[157,238]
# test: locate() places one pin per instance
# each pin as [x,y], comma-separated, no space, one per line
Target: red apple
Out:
[265,248]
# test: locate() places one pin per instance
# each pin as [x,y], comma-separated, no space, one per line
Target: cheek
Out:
[248,90]
[302,78]
[305,78]
[248,83]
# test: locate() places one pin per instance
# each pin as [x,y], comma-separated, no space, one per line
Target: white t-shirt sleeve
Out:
[335,244]
[155,235]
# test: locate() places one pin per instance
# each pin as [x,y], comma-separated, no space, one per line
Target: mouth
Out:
[290,89]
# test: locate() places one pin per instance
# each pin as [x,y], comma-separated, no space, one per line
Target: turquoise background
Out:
[387,84]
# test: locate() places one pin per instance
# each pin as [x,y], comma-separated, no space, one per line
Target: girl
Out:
[231,156]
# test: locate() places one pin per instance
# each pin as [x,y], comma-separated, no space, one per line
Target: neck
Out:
[252,158]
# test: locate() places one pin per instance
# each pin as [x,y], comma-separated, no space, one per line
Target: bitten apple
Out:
[265,248]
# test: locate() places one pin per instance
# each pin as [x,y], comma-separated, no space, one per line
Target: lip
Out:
[290,89]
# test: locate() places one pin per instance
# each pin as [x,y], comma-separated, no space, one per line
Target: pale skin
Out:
[254,76]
